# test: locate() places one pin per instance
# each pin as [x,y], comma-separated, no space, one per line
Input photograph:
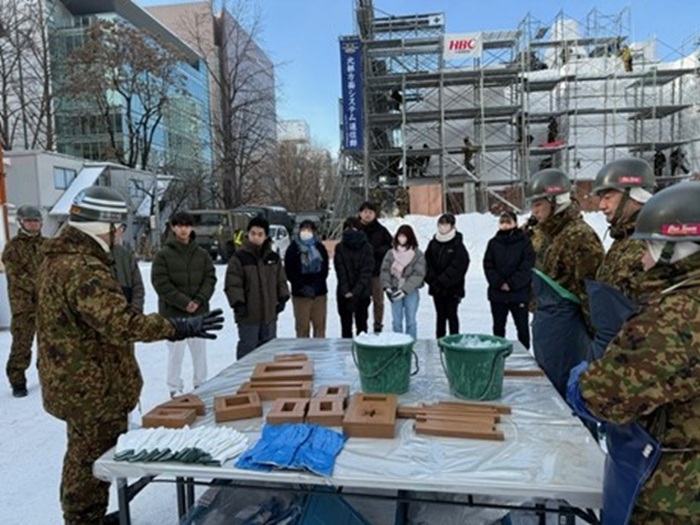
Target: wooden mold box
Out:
[341,391]
[270,390]
[291,357]
[326,411]
[284,371]
[169,417]
[238,406]
[371,415]
[186,401]
[288,410]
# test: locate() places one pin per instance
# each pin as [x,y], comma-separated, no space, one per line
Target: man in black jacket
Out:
[353,263]
[380,239]
[508,266]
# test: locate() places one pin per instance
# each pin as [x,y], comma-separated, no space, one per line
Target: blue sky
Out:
[302,36]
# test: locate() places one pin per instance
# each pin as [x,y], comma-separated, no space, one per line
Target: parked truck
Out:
[221,232]
[218,231]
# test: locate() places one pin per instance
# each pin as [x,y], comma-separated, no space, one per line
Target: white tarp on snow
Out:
[547,453]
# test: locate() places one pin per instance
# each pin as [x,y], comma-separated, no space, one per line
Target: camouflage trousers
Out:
[22,328]
[646,517]
[84,498]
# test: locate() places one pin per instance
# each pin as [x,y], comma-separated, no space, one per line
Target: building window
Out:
[62,177]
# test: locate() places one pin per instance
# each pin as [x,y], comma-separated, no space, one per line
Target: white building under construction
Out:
[460,121]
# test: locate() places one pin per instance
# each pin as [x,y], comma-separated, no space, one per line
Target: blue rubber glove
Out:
[249,459]
[317,454]
[573,393]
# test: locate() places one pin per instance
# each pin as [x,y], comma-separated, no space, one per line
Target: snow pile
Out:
[474,341]
[383,339]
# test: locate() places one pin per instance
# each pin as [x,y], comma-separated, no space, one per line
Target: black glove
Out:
[197,326]
[389,294]
[531,221]
[280,307]
[241,310]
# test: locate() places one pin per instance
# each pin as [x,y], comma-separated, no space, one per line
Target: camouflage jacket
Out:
[85,326]
[572,253]
[650,374]
[22,257]
[622,266]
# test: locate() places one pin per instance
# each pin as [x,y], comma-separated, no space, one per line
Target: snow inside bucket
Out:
[474,364]
[384,362]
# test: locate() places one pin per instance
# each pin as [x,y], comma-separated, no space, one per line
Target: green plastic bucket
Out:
[384,369]
[474,372]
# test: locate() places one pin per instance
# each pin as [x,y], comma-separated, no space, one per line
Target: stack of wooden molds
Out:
[176,413]
[289,376]
[457,419]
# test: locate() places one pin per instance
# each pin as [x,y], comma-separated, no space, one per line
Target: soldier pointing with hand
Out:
[88,372]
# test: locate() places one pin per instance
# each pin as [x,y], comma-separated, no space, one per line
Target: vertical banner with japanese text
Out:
[351,77]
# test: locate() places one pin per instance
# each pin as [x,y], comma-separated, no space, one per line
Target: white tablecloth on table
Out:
[547,453]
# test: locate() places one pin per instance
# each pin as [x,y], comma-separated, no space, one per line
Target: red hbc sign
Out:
[467,44]
[680,230]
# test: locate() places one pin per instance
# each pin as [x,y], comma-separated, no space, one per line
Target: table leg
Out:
[541,513]
[401,515]
[190,493]
[181,500]
[123,498]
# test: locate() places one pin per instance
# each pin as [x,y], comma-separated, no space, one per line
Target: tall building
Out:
[182,141]
[242,77]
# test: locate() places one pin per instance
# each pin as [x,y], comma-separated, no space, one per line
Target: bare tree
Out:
[300,176]
[243,111]
[26,118]
[123,71]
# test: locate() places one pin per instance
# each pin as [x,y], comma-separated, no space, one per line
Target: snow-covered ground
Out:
[32,443]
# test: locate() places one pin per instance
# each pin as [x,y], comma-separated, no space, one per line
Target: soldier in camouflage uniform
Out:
[22,257]
[570,252]
[650,373]
[88,372]
[623,187]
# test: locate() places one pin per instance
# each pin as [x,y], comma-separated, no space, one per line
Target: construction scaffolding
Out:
[565,93]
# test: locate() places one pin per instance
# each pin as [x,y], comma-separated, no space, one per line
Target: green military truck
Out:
[219,231]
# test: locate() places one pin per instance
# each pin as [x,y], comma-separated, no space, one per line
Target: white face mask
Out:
[402,239]
[306,235]
[444,228]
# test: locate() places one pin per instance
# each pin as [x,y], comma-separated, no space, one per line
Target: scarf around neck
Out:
[402,256]
[447,237]
[311,260]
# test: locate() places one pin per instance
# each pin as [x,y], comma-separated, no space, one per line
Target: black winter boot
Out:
[19,390]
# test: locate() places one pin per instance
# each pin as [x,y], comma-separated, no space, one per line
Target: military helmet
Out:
[622,174]
[99,204]
[673,214]
[29,212]
[547,183]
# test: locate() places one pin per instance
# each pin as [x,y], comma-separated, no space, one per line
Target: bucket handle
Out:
[492,375]
[388,362]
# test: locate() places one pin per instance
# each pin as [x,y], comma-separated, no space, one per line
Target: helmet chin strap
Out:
[617,216]
[667,252]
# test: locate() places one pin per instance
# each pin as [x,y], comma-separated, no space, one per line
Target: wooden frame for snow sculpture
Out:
[238,406]
[371,415]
